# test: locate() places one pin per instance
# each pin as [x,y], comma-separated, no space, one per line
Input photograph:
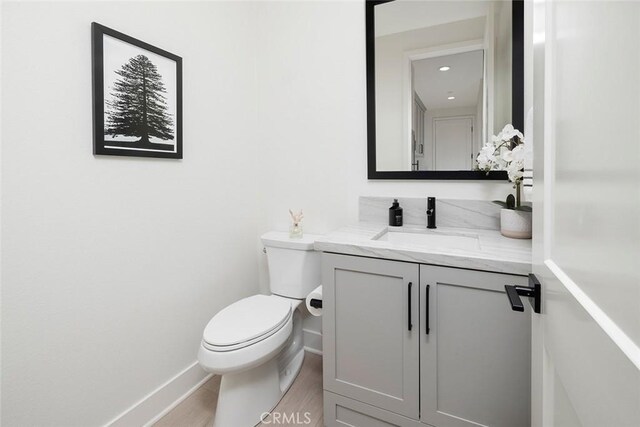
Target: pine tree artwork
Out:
[138,106]
[137,97]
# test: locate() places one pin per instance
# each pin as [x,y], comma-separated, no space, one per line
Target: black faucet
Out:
[431,212]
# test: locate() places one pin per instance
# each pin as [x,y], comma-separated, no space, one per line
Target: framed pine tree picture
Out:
[137,97]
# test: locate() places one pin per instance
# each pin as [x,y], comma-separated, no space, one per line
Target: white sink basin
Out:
[430,239]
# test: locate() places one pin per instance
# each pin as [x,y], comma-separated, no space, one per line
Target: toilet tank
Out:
[294,266]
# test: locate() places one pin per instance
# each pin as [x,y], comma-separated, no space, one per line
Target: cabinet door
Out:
[370,331]
[475,361]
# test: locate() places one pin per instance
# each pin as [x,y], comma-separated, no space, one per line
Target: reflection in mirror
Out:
[443,81]
[451,113]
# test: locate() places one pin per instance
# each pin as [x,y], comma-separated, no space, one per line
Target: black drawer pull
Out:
[409,325]
[426,310]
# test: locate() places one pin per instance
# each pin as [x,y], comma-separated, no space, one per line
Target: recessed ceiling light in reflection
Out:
[451,97]
[445,68]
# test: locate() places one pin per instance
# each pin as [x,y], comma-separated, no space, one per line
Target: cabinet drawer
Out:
[342,411]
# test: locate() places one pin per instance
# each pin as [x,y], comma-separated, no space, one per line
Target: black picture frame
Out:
[166,113]
[517,102]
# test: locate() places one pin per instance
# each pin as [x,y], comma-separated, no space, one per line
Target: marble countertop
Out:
[494,253]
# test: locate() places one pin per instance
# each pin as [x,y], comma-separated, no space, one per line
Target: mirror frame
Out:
[517,101]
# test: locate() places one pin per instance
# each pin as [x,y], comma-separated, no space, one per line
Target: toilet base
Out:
[246,398]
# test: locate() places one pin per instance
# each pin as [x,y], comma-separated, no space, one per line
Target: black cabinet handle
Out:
[426,310]
[409,325]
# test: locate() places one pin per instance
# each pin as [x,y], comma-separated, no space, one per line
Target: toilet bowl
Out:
[257,368]
[256,343]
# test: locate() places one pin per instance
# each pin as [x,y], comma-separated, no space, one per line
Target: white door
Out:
[586,198]
[453,143]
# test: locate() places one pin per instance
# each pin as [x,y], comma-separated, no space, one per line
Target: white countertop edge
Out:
[496,254]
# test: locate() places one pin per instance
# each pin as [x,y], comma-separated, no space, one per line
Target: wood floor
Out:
[304,396]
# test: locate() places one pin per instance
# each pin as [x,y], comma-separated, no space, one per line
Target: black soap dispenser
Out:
[395,214]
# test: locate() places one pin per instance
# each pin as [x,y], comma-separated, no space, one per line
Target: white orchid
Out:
[515,174]
[507,155]
[504,152]
[508,132]
[488,150]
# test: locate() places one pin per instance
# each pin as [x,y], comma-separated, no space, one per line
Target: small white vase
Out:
[515,224]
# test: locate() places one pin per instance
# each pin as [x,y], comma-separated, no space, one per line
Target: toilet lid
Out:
[246,320]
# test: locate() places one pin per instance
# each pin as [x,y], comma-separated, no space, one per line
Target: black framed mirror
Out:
[442,77]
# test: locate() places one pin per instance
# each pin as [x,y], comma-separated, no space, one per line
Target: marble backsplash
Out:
[454,213]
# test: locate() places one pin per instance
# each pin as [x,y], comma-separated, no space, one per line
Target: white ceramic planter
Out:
[515,224]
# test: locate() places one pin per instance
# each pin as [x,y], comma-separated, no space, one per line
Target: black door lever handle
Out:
[532,291]
[514,296]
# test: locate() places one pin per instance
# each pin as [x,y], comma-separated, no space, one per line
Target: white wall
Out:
[310,110]
[405,15]
[311,97]
[111,267]
[389,66]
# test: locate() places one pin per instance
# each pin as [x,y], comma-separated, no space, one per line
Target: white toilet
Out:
[256,343]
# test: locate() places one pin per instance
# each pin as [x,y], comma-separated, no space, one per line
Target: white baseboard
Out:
[312,351]
[159,402]
[312,341]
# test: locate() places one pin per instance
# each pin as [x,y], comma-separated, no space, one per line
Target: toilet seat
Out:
[246,322]
[252,340]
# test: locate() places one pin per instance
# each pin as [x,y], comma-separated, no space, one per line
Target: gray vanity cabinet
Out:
[475,361]
[381,367]
[370,331]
